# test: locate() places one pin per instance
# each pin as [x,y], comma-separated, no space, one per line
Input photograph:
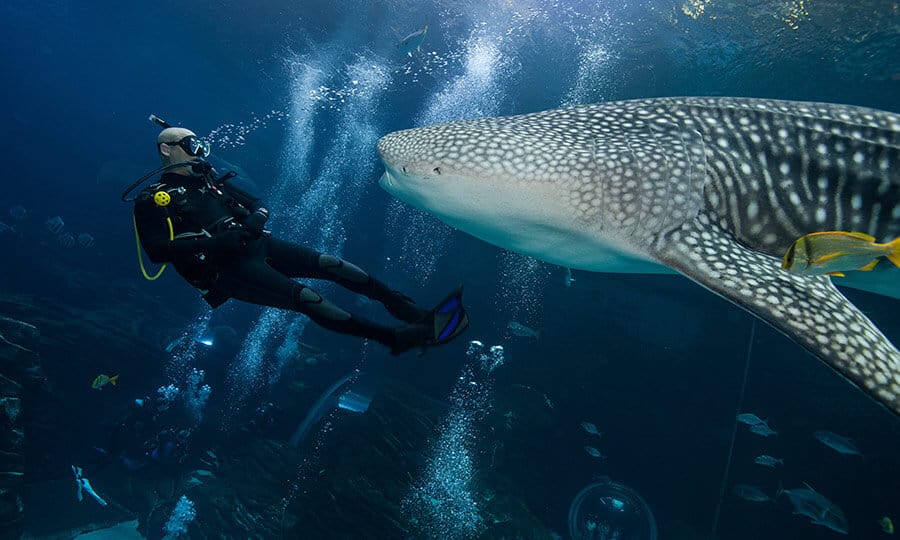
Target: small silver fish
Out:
[750,493]
[838,443]
[763,430]
[85,240]
[750,419]
[821,511]
[591,429]
[55,224]
[593,452]
[18,212]
[66,239]
[768,461]
[569,279]
[521,330]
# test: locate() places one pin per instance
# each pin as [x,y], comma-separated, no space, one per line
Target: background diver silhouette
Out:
[213,234]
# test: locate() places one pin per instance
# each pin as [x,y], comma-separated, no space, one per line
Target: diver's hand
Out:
[256,221]
[232,240]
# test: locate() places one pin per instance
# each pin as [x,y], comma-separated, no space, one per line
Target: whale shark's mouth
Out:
[385,181]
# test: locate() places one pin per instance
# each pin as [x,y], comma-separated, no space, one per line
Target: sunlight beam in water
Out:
[314,210]
[183,349]
[442,504]
[476,92]
[346,172]
[246,376]
[520,291]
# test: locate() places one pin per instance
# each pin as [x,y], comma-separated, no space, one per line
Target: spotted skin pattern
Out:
[714,188]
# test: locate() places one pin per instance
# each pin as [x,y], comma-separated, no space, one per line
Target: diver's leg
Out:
[354,278]
[258,283]
[297,261]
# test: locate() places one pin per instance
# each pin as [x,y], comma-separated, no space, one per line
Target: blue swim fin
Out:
[441,325]
[449,319]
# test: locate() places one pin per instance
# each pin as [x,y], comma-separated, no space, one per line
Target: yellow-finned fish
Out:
[886,525]
[102,380]
[836,252]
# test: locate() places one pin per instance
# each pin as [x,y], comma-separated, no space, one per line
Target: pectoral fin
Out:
[808,309]
[869,267]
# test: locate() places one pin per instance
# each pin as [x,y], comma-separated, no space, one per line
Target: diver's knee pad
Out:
[310,302]
[343,269]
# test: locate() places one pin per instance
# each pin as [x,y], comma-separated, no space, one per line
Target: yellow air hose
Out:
[137,240]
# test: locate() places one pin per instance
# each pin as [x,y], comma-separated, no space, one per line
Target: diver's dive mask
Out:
[192,145]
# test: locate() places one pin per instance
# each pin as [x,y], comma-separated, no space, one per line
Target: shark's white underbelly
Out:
[564,247]
[532,222]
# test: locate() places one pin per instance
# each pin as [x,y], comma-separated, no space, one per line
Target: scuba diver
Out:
[214,234]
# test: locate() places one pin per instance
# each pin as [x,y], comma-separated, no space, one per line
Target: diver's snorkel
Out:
[159,121]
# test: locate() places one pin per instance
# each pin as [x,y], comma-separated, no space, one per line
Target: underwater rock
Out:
[18,342]
[19,368]
[126,530]
[346,480]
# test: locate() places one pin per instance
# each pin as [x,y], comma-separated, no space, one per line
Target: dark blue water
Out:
[655,361]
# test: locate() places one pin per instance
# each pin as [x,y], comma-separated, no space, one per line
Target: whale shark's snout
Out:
[408,173]
[414,152]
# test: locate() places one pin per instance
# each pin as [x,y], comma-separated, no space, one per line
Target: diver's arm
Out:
[153,231]
[247,200]
[259,214]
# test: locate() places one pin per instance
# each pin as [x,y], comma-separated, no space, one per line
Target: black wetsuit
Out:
[220,248]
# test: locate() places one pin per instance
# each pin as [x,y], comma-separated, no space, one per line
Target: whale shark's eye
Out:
[437,170]
[403,168]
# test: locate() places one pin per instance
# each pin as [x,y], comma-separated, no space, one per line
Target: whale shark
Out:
[716,189]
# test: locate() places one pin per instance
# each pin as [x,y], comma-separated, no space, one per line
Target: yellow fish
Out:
[835,252]
[101,380]
[886,525]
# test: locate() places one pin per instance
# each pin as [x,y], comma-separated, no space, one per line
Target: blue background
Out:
[655,361]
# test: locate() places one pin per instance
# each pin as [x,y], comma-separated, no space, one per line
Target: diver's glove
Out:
[256,221]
